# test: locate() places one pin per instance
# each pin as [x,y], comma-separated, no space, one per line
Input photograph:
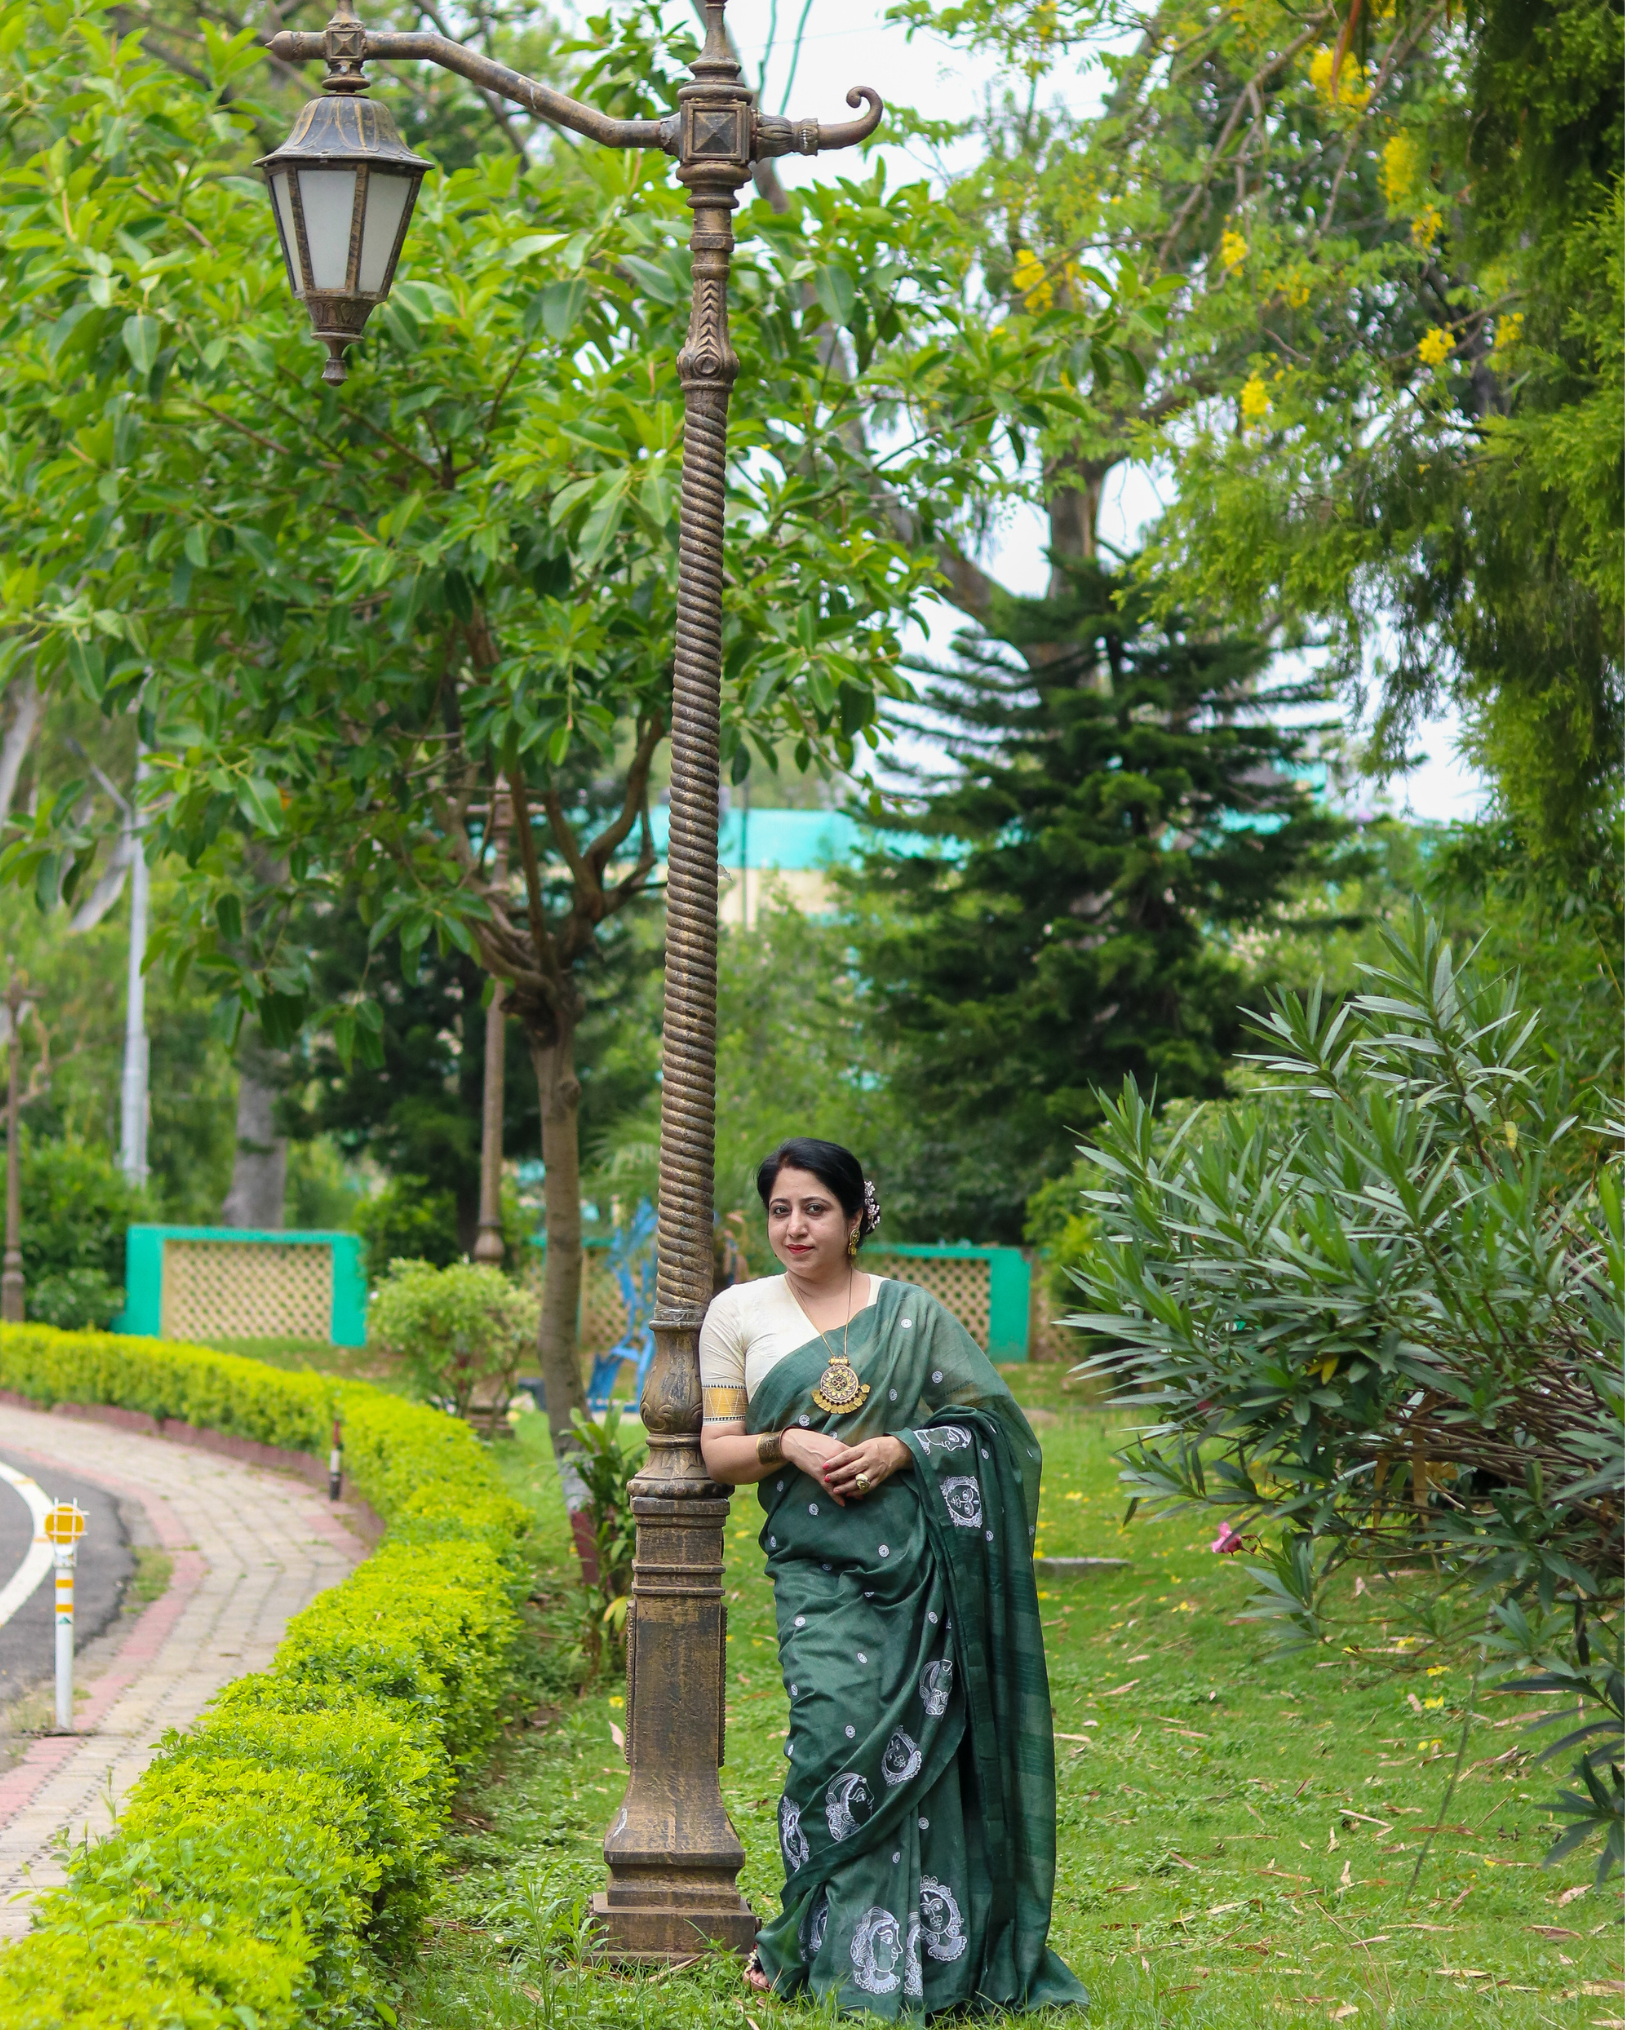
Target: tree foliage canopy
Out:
[1389,390]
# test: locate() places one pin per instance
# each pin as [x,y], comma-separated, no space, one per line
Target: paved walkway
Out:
[250,1548]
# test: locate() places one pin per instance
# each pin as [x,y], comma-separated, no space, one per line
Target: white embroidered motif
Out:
[877,1946]
[847,1803]
[913,1983]
[964,1499]
[936,1682]
[791,1838]
[901,1759]
[939,1915]
[945,1437]
[814,1925]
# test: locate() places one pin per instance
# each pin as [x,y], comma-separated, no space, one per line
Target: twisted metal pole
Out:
[673,1853]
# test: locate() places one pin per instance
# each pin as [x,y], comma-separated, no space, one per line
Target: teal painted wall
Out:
[1009,1289]
[144,1275]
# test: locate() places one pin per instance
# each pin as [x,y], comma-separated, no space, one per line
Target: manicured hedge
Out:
[270,1859]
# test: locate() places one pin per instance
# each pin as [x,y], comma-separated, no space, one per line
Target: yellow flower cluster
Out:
[1425,226]
[1403,172]
[1029,279]
[1352,89]
[1255,402]
[1508,333]
[1436,347]
[1232,248]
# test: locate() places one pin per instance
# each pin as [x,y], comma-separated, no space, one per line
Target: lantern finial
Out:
[344,44]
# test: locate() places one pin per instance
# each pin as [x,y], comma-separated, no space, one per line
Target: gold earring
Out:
[852,1245]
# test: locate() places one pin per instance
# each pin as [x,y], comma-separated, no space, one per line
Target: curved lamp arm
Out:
[302,46]
[347,45]
[777,136]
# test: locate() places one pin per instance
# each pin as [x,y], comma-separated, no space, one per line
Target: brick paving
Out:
[250,1548]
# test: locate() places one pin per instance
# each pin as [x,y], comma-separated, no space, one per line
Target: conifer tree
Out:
[1126,803]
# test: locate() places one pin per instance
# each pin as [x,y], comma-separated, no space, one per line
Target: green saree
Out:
[918,1818]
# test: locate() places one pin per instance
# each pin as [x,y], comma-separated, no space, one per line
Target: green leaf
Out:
[657,495]
[653,281]
[562,305]
[600,528]
[259,803]
[143,337]
[836,292]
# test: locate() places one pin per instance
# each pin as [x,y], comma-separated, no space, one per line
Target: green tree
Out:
[1388,391]
[1124,796]
[356,618]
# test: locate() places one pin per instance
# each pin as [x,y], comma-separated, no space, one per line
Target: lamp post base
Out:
[666,1930]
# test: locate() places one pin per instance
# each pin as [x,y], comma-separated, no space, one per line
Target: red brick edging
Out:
[363,1519]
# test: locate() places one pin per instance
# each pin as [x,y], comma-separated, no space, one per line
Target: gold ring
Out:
[862,1483]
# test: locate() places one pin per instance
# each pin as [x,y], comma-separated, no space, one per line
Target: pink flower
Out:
[1225,1542]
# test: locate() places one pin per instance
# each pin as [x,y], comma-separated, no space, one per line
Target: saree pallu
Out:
[918,1817]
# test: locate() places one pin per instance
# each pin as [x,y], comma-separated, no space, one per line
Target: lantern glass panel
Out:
[328,198]
[290,236]
[387,197]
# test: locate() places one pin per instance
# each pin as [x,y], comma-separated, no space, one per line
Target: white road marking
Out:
[37,1563]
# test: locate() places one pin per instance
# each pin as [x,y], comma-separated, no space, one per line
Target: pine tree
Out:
[1126,806]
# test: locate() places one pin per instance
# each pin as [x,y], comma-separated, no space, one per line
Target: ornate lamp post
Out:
[672,1851]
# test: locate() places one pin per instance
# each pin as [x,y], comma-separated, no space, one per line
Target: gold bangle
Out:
[770,1448]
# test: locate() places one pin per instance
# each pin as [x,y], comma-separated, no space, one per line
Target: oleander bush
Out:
[1378,1314]
[272,1860]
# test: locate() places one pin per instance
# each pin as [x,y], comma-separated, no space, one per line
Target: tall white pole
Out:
[133,1093]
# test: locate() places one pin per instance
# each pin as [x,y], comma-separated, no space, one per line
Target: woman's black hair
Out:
[831,1165]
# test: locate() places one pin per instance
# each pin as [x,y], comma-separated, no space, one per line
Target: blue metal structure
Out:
[631,1257]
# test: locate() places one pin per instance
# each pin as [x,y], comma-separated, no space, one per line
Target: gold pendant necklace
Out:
[839,1389]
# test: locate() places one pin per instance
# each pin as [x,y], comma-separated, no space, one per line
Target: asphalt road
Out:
[104,1568]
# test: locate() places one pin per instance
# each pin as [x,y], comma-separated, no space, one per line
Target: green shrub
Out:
[77,1207]
[266,1859]
[1380,1314]
[460,1332]
[76,1300]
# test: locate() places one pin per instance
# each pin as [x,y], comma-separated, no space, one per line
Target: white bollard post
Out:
[63,1526]
[64,1638]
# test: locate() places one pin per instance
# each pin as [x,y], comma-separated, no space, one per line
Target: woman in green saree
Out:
[899,1481]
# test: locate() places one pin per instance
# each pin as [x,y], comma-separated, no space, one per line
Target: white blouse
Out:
[748,1330]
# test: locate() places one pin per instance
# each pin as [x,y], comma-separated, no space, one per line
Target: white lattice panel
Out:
[961,1284]
[220,1289]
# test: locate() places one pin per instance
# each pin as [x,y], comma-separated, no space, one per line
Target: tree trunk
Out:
[559,1091]
[259,1176]
[25,712]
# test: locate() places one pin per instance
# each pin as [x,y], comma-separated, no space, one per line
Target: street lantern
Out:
[342,187]
[673,1854]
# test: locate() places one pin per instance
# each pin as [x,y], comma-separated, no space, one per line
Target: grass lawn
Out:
[1237,1836]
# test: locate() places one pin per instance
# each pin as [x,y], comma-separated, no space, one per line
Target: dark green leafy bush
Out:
[268,1859]
[408,1221]
[75,1300]
[1379,1314]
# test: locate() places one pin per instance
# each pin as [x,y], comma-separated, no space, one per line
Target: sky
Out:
[846,43]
